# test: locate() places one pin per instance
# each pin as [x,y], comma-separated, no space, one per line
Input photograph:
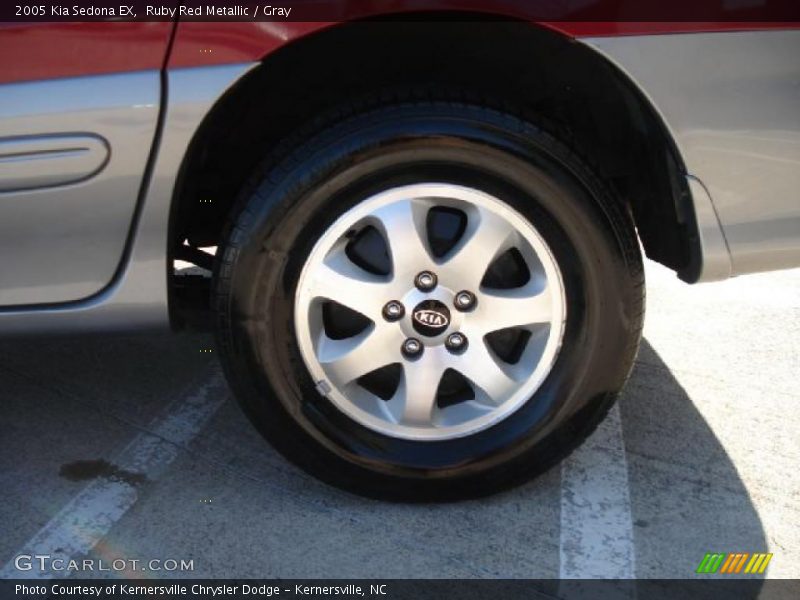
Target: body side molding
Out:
[49,160]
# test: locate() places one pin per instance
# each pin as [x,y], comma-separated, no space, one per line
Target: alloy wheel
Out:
[430,311]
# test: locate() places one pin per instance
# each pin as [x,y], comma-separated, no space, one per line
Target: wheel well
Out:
[558,83]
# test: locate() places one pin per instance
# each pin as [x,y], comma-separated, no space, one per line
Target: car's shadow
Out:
[686,495]
[685,490]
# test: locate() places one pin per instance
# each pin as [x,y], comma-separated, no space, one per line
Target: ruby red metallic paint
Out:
[32,51]
[213,43]
[45,50]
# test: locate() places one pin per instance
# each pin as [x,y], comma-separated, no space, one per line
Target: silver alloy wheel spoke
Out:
[486,237]
[417,390]
[484,370]
[414,409]
[348,359]
[403,227]
[521,307]
[349,286]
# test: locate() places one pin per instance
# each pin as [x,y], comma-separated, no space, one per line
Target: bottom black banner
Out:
[401,589]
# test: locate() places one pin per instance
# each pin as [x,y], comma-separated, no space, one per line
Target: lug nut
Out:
[456,342]
[412,347]
[393,310]
[425,281]
[464,300]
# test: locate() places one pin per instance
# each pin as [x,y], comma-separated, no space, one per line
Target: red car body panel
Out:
[213,43]
[36,51]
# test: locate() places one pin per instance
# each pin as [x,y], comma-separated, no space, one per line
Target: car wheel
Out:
[427,300]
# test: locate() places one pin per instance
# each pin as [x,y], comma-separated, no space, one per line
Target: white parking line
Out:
[596,526]
[85,519]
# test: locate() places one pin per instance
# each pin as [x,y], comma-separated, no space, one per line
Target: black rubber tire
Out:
[318,174]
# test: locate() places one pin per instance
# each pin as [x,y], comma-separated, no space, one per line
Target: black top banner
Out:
[712,11]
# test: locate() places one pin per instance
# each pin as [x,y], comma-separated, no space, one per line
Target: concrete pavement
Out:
[709,443]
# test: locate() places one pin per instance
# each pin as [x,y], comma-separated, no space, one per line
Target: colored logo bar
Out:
[734,562]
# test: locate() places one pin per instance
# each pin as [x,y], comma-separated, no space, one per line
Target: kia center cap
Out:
[430,318]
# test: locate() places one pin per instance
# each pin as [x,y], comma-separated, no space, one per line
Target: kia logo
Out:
[431,318]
